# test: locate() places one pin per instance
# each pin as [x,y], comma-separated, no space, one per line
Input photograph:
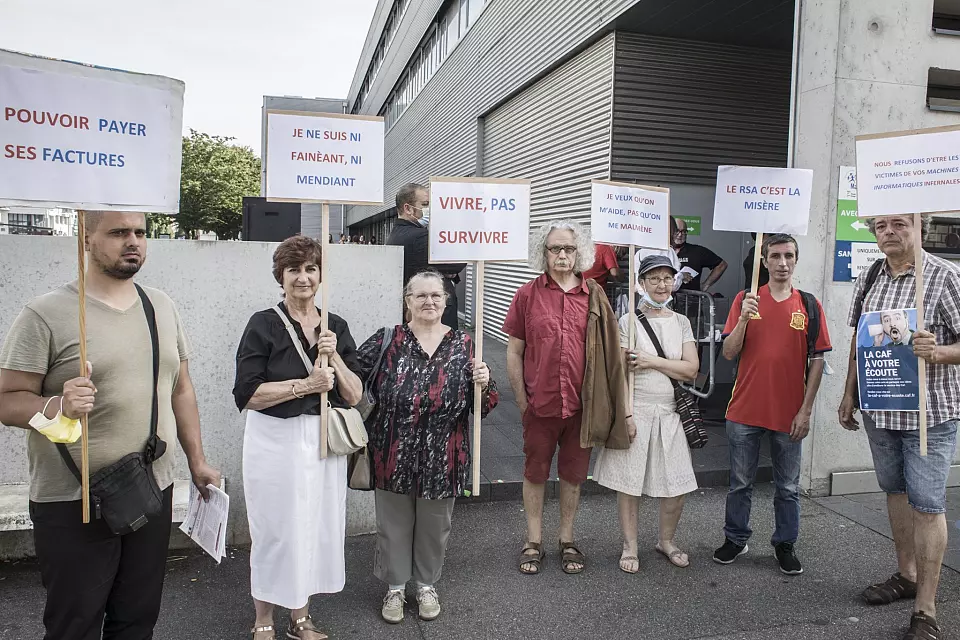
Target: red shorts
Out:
[540,439]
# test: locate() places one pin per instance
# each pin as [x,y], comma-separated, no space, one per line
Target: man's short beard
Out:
[121,270]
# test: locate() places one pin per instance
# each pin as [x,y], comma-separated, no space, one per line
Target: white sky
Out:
[230,53]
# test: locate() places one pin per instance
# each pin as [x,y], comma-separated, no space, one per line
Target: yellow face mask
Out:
[60,429]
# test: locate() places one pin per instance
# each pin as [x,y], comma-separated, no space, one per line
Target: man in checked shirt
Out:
[915,486]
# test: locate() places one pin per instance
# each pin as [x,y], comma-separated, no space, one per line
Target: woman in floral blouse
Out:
[419,441]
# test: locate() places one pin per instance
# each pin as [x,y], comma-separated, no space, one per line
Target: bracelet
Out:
[293,388]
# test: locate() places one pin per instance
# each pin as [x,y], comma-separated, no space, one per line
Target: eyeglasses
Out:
[422,297]
[658,281]
[555,250]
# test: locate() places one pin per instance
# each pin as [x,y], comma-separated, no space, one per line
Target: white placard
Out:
[909,172]
[626,214]
[479,219]
[763,199]
[335,158]
[862,255]
[84,137]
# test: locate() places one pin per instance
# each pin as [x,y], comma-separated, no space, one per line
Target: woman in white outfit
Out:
[296,500]
[658,463]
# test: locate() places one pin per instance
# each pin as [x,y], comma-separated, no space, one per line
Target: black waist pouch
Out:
[126,494]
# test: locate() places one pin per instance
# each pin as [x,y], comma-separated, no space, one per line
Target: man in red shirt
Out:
[777,382]
[604,265]
[546,364]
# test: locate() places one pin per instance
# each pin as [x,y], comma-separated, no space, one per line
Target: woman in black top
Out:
[296,500]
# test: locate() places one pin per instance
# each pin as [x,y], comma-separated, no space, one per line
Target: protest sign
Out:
[330,158]
[763,199]
[630,215]
[83,137]
[475,220]
[909,172]
[323,157]
[887,369]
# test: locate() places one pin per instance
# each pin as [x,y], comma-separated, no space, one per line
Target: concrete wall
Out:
[216,286]
[863,69]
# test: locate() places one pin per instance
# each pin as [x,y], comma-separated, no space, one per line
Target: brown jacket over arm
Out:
[603,396]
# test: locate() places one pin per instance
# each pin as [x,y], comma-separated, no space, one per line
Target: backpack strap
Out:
[813,321]
[872,275]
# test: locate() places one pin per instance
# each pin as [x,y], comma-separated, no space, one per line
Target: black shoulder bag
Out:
[687,407]
[359,465]
[126,494]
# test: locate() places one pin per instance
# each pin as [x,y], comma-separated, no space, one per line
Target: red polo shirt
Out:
[553,324]
[771,377]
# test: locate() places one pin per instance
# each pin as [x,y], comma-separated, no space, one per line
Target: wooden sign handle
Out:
[82,314]
[324,305]
[757,250]
[477,389]
[921,363]
[631,311]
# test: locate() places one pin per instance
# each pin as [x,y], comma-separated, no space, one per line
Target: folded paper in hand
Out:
[206,521]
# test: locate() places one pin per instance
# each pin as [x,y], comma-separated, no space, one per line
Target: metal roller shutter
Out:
[557,134]
[683,107]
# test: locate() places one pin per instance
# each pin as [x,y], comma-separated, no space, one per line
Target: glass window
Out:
[453,25]
[464,15]
[475,7]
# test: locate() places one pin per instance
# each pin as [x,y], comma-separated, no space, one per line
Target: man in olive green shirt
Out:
[98,582]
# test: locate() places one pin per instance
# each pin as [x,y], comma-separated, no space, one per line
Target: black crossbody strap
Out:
[151,315]
[653,338]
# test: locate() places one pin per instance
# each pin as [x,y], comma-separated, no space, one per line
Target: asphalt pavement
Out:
[485,597]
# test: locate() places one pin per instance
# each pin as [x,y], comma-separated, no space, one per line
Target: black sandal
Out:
[923,627]
[531,559]
[570,555]
[896,587]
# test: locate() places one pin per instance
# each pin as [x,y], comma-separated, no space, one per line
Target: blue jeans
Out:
[744,443]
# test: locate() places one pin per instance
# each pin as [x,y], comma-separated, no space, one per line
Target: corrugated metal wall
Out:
[557,134]
[511,43]
[683,107]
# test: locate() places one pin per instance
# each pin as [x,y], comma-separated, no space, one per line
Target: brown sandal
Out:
[894,588]
[532,559]
[923,627]
[267,628]
[570,555]
[297,627]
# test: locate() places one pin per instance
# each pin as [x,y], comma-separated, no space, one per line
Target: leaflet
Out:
[206,521]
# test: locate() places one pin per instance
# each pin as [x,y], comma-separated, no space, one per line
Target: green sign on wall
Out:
[849,226]
[693,224]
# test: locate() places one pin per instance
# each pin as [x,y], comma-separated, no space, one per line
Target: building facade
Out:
[660,92]
[38,222]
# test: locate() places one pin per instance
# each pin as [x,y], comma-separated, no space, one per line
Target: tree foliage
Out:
[215,177]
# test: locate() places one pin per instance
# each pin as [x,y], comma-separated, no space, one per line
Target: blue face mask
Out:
[650,302]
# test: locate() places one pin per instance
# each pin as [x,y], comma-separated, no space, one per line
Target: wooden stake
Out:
[631,312]
[84,426]
[477,389]
[324,305]
[755,281]
[921,364]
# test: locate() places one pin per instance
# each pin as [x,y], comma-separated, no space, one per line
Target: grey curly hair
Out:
[925,221]
[538,245]
[426,274]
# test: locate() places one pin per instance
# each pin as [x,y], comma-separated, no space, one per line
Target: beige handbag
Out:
[345,431]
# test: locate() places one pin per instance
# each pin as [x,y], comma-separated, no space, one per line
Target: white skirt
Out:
[296,507]
[658,462]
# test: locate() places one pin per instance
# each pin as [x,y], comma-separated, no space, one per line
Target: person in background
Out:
[658,462]
[604,265]
[410,232]
[362,240]
[296,500]
[777,383]
[354,239]
[698,258]
[748,266]
[343,239]
[566,369]
[100,584]
[916,486]
[373,240]
[420,441]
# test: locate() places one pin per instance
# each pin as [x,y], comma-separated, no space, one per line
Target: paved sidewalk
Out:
[485,597]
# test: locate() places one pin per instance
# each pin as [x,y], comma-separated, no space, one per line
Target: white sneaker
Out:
[392,610]
[429,603]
